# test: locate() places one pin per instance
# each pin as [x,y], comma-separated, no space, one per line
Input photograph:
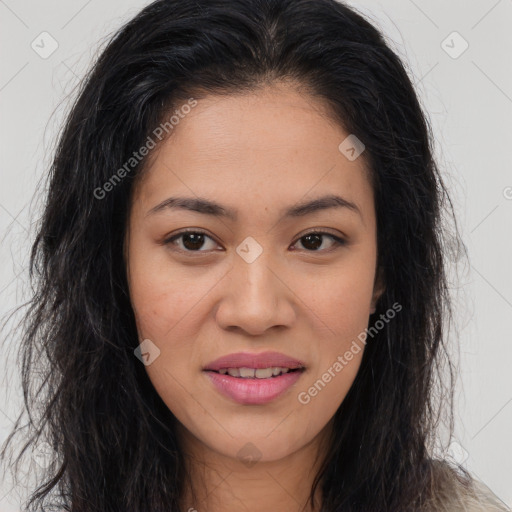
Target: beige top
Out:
[454,494]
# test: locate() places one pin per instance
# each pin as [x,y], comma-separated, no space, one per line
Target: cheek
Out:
[165,295]
[165,312]
[339,302]
[158,307]
[340,298]
[170,303]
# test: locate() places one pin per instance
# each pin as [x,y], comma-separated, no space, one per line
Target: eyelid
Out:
[199,231]
[321,231]
[339,240]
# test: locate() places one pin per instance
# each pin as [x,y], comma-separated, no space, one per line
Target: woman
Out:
[240,273]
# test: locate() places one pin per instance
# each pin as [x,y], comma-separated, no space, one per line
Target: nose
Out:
[255,298]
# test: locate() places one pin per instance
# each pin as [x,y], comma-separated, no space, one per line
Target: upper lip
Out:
[251,360]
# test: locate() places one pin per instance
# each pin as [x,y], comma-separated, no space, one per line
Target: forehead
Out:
[262,148]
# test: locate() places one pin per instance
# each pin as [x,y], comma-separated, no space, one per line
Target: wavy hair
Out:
[114,441]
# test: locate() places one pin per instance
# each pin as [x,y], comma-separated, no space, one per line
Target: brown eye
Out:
[314,241]
[191,241]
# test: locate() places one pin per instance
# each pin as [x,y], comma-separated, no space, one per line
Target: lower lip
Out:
[253,391]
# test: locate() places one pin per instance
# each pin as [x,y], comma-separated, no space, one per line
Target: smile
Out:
[258,373]
[252,388]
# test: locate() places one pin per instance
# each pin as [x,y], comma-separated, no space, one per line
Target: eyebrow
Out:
[207,207]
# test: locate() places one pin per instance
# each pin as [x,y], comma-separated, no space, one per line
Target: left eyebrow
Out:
[322,203]
[208,207]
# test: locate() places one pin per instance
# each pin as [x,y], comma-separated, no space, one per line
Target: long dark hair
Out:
[113,437]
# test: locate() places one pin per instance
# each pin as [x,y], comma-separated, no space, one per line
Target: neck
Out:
[219,483]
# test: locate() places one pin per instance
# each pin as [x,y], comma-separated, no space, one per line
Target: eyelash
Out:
[339,242]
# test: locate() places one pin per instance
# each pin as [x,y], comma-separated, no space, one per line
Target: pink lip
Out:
[248,360]
[253,391]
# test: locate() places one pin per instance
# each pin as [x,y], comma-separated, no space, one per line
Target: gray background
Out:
[469,100]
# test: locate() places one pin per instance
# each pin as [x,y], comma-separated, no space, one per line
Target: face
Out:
[259,279]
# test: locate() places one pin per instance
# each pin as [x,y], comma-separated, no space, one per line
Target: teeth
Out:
[251,373]
[263,373]
[247,372]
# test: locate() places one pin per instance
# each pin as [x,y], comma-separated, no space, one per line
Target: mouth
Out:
[254,379]
[273,363]
[256,373]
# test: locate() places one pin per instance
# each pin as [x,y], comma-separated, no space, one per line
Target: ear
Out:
[378,289]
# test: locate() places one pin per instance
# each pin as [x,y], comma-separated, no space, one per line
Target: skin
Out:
[259,154]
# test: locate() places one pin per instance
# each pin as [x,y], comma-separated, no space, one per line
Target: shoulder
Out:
[455,490]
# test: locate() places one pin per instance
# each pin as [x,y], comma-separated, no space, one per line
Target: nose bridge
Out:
[255,282]
[255,299]
[252,264]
